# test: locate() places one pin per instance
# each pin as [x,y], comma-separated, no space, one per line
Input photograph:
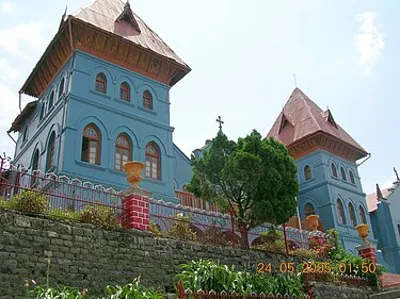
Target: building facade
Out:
[326,156]
[102,89]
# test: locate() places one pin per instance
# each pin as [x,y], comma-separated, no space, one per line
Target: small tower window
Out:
[42,110]
[122,151]
[153,162]
[147,100]
[25,134]
[125,92]
[351,175]
[361,212]
[101,83]
[51,100]
[91,145]
[343,173]
[50,151]
[61,88]
[352,214]
[340,212]
[398,228]
[307,173]
[309,209]
[334,170]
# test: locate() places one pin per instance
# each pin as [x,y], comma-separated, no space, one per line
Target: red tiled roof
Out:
[306,119]
[104,14]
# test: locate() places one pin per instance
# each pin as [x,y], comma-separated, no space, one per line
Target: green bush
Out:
[209,275]
[132,291]
[180,229]
[46,292]
[60,213]
[27,201]
[99,215]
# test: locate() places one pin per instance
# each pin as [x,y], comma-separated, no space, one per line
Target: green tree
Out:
[254,177]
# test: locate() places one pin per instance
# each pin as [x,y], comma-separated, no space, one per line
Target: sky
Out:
[243,55]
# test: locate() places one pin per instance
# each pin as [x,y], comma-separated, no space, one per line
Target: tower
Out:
[102,89]
[326,155]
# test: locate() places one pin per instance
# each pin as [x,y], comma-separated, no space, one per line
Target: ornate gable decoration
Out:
[128,17]
[284,122]
[327,115]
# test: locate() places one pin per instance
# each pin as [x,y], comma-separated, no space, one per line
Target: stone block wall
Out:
[83,255]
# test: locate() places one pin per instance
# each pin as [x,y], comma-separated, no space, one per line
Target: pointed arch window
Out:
[25,134]
[352,214]
[309,209]
[351,175]
[147,100]
[42,110]
[50,151]
[398,228]
[340,212]
[91,141]
[361,212]
[51,100]
[334,170]
[153,162]
[307,173]
[61,87]
[343,173]
[35,166]
[101,83]
[123,151]
[125,92]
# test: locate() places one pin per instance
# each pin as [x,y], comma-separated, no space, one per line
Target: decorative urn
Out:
[134,170]
[363,231]
[312,222]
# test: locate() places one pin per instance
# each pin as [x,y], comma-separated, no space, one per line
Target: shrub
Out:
[99,215]
[214,236]
[306,253]
[153,228]
[60,213]
[180,229]
[133,291]
[46,292]
[28,201]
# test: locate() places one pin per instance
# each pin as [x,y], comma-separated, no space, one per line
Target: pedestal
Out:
[368,251]
[135,209]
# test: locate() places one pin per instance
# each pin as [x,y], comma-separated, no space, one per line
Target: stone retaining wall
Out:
[82,255]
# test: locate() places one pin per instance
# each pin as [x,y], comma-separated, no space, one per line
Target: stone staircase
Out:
[391,287]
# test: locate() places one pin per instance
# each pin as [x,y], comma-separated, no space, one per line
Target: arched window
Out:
[50,151]
[352,214]
[309,209]
[153,162]
[51,100]
[363,218]
[91,141]
[351,175]
[61,87]
[398,228]
[35,166]
[122,151]
[42,110]
[307,173]
[343,173]
[340,212]
[25,134]
[334,170]
[147,100]
[101,83]
[125,92]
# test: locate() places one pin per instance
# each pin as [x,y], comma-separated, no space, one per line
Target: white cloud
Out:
[9,110]
[370,41]
[6,6]
[8,72]
[23,38]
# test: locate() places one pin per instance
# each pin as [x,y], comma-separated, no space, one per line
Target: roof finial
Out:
[295,81]
[219,120]
[397,175]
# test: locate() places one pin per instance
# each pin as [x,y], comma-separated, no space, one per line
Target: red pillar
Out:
[368,251]
[135,212]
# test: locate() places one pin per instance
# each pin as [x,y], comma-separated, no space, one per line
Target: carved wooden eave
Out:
[75,34]
[329,143]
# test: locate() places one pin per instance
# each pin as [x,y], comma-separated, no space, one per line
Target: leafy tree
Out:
[254,177]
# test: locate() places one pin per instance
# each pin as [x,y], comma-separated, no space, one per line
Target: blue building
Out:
[384,211]
[102,89]
[326,157]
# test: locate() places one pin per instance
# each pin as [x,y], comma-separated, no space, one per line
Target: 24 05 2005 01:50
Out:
[315,267]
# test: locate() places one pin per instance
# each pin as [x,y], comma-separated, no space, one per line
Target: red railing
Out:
[188,199]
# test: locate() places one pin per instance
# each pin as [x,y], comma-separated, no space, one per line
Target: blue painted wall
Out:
[82,105]
[324,189]
[385,222]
